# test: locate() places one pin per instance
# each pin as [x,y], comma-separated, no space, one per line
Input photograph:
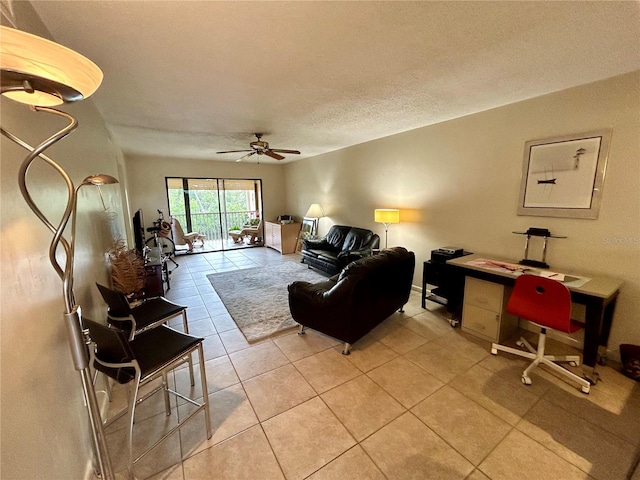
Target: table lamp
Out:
[315,211]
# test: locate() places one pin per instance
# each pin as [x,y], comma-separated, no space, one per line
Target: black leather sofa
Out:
[349,305]
[341,246]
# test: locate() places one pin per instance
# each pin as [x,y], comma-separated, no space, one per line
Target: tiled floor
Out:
[416,399]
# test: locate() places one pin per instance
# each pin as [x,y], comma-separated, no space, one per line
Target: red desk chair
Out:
[546,303]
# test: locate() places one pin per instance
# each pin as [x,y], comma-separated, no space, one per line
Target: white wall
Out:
[45,432]
[457,183]
[147,187]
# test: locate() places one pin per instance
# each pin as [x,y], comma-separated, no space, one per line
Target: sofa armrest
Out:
[316,244]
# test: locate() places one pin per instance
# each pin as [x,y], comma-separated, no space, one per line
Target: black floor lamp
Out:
[43,74]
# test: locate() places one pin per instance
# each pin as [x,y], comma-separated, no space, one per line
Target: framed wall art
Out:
[309,226]
[564,176]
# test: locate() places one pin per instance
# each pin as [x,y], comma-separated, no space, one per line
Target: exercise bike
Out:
[161,247]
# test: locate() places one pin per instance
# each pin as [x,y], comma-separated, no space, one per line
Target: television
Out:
[138,231]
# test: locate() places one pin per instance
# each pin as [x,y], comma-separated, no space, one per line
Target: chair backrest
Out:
[111,347]
[541,300]
[117,301]
[177,232]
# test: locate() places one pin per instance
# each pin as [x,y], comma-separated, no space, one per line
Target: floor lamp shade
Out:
[55,73]
[387,215]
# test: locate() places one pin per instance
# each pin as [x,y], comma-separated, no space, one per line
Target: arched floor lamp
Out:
[43,74]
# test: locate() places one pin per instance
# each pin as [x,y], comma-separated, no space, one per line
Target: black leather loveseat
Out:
[347,306]
[341,246]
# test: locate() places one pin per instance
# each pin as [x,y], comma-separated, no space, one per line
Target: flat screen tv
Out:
[138,231]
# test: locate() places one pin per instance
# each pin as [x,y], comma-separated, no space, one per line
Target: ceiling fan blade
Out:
[234,151]
[246,156]
[281,150]
[273,155]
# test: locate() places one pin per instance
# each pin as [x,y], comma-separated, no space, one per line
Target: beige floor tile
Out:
[464,344]
[145,433]
[297,346]
[589,447]
[362,406]
[407,449]
[245,456]
[326,370]
[368,353]
[477,475]
[231,413]
[234,341]
[213,347]
[427,325]
[220,374]
[521,457]
[466,426]
[404,381]
[615,409]
[402,340]
[171,473]
[276,391]
[503,397]
[258,359]
[353,465]
[201,328]
[306,437]
[443,363]
[150,407]
[223,322]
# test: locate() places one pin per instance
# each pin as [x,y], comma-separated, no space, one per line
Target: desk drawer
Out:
[481,320]
[487,295]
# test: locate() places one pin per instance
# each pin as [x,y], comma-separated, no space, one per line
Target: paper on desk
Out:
[548,274]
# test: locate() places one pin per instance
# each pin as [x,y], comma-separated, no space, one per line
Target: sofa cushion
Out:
[337,235]
[356,239]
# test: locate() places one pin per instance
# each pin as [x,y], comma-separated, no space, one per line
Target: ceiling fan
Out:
[262,148]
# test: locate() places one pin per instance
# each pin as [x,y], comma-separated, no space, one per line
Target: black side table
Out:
[449,288]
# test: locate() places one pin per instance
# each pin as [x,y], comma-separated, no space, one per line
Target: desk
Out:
[598,295]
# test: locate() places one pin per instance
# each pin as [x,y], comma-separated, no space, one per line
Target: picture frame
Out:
[564,176]
[309,227]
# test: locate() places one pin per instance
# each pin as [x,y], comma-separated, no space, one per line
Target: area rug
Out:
[257,298]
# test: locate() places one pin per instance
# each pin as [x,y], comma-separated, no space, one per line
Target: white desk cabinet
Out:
[484,310]
[281,237]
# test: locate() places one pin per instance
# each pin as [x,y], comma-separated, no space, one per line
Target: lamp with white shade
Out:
[315,211]
[386,216]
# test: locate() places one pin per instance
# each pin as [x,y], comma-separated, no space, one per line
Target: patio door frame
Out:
[222,202]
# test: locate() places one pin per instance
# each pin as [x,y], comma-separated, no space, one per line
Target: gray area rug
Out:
[257,298]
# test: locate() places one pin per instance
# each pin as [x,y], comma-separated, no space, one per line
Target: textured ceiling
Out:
[186,79]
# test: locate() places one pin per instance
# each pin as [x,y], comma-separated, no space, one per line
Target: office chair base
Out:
[539,357]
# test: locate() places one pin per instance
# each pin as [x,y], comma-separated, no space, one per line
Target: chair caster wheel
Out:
[526,380]
[586,390]
[573,364]
[520,343]
[494,351]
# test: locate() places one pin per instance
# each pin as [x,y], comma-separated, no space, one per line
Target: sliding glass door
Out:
[213,206]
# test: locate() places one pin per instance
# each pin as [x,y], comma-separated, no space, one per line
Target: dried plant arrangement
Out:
[127,268]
